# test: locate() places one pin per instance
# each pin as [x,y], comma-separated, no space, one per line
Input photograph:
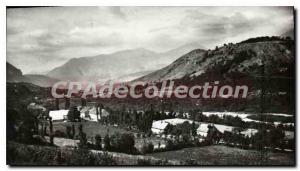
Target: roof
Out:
[223,128]
[160,125]
[221,114]
[90,110]
[202,129]
[90,113]
[157,131]
[249,132]
[35,106]
[104,112]
[176,121]
[58,114]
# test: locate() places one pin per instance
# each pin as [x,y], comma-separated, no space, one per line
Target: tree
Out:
[259,140]
[73,114]
[127,142]
[27,127]
[68,131]
[123,142]
[67,103]
[194,129]
[73,131]
[56,103]
[82,138]
[170,145]
[107,142]
[98,142]
[147,148]
[212,135]
[83,102]
[276,137]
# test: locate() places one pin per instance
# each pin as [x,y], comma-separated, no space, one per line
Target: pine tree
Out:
[98,142]
[106,142]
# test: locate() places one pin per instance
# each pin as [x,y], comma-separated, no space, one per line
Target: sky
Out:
[40,39]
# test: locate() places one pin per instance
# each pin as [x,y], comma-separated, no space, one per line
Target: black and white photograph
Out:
[150,86]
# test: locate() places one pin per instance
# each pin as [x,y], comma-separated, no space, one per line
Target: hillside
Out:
[260,63]
[245,58]
[40,80]
[15,75]
[120,66]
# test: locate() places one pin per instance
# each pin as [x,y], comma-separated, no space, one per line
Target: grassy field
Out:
[208,155]
[91,128]
[222,155]
[21,155]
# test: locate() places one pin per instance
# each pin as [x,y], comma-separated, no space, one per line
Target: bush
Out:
[19,154]
[123,143]
[98,142]
[59,133]
[147,148]
[68,132]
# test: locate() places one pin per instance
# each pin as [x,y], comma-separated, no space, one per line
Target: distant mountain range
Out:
[119,66]
[14,74]
[145,65]
[271,58]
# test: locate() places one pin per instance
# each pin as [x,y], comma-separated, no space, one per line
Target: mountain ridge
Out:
[240,57]
[15,75]
[112,66]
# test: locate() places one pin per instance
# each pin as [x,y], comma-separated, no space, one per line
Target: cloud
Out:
[39,39]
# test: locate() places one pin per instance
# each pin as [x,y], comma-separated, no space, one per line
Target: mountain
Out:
[260,63]
[15,75]
[105,67]
[173,54]
[244,57]
[132,76]
[40,80]
[118,65]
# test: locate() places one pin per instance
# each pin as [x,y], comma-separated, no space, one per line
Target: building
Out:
[159,126]
[90,113]
[58,115]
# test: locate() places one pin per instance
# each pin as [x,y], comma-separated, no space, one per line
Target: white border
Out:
[152,2]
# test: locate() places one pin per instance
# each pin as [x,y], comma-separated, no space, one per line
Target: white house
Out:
[90,113]
[58,114]
[158,127]
[202,129]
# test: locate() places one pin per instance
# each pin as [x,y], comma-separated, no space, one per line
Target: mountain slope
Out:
[40,80]
[117,65]
[105,67]
[244,57]
[15,75]
[266,63]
